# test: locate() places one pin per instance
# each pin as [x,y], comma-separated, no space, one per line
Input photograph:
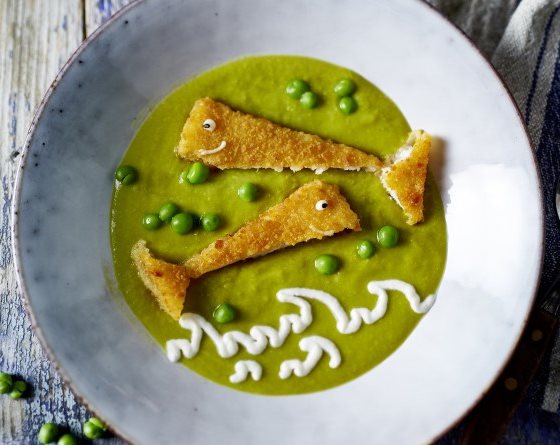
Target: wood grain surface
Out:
[36,39]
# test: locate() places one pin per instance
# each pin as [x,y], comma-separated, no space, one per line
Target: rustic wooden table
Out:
[36,39]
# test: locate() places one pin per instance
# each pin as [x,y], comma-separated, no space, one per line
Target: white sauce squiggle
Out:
[322,232]
[314,346]
[214,150]
[260,337]
[243,368]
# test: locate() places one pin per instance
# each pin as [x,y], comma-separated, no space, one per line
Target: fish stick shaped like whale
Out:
[224,138]
[314,211]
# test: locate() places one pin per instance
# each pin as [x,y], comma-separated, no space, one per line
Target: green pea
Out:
[167,211]
[18,389]
[224,313]
[182,223]
[5,387]
[48,433]
[92,431]
[327,264]
[126,174]
[296,87]
[347,105]
[365,249]
[67,439]
[198,173]
[98,423]
[6,383]
[344,87]
[184,177]
[151,221]
[309,99]
[248,192]
[4,376]
[210,221]
[388,236]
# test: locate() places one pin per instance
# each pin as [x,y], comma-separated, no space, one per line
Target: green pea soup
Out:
[257,85]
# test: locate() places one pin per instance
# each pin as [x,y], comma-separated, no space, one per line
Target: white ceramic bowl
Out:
[488,183]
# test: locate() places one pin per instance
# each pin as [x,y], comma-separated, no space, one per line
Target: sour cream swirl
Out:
[314,345]
[260,337]
[244,368]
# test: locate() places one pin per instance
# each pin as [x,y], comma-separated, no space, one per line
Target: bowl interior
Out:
[483,162]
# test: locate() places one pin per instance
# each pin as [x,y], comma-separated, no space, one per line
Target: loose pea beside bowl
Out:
[48,433]
[94,428]
[6,383]
[5,387]
[92,431]
[67,439]
[18,389]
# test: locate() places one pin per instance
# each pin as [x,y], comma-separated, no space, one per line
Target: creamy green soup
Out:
[256,85]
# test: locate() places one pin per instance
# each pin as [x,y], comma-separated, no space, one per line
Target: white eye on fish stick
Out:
[277,147]
[209,125]
[321,205]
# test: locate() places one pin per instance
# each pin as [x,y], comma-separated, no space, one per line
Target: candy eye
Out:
[209,125]
[321,205]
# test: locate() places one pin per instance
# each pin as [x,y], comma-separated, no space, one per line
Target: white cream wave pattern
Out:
[260,337]
[244,368]
[314,345]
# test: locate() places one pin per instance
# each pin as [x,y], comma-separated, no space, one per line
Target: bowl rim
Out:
[16,201]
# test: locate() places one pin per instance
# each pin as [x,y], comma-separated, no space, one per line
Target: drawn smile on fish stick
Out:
[314,211]
[214,150]
[210,125]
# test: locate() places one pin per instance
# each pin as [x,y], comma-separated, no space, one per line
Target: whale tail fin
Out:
[167,282]
[404,177]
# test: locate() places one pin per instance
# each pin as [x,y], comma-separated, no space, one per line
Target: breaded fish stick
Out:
[224,138]
[313,211]
[221,137]
[405,177]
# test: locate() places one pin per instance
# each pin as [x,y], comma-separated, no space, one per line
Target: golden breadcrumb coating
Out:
[313,211]
[167,282]
[293,221]
[405,178]
[253,142]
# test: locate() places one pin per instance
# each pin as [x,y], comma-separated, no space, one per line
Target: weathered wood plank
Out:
[99,11]
[36,38]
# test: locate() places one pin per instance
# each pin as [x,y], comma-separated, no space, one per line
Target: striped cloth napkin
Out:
[522,40]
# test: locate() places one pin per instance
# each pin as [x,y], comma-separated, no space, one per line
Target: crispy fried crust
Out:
[167,282]
[405,178]
[293,221]
[253,142]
